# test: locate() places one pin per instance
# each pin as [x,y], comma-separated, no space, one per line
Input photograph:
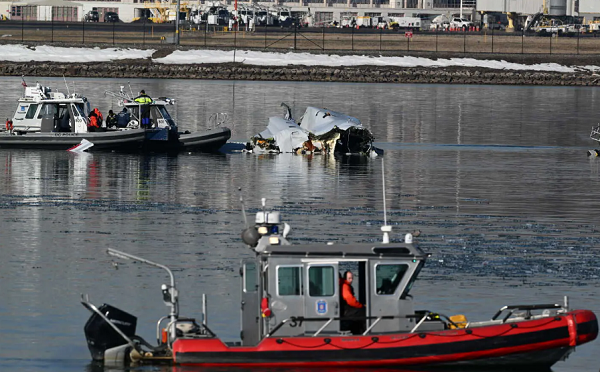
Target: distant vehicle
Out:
[404,23]
[92,16]
[111,17]
[363,21]
[461,23]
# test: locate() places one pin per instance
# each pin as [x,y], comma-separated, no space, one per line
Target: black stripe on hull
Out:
[389,353]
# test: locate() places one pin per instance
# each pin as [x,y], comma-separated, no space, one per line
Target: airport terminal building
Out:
[323,12]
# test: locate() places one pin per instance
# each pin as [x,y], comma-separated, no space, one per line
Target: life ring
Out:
[9,125]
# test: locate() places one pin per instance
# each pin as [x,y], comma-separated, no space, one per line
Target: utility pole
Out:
[177,22]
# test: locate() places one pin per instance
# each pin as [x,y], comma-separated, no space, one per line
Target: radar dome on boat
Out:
[250,236]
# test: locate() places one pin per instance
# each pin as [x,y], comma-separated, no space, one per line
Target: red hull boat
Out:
[540,342]
[295,314]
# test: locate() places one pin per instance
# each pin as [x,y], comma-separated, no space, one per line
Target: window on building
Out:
[388,277]
[321,281]
[289,280]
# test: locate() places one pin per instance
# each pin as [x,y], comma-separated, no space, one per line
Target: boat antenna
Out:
[67,85]
[385,228]
[243,207]
[128,83]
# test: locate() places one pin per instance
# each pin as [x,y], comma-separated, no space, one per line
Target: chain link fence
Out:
[296,38]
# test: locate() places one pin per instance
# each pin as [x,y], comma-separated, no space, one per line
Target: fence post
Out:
[523,41]
[234,40]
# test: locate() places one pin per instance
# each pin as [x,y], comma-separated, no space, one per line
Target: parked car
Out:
[92,16]
[111,17]
[460,23]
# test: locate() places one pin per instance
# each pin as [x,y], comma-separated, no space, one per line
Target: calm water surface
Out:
[496,179]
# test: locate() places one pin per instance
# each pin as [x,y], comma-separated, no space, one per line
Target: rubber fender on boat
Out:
[572,330]
[587,326]
[593,153]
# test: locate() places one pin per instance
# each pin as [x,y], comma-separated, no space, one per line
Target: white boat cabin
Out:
[152,115]
[42,110]
[295,290]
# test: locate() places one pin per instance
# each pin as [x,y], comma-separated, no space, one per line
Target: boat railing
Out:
[595,135]
[217,119]
[296,321]
[509,311]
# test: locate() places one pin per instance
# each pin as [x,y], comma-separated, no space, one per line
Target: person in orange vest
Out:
[351,307]
[95,124]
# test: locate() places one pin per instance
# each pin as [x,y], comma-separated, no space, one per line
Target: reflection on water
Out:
[505,202]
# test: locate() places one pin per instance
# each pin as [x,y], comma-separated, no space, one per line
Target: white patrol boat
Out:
[161,131]
[45,119]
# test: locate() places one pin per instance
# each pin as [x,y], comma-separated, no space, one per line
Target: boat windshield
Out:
[79,108]
[412,280]
[165,114]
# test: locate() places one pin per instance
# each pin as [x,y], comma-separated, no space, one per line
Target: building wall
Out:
[589,6]
[129,10]
[511,6]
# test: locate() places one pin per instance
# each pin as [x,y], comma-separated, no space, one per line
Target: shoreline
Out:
[147,68]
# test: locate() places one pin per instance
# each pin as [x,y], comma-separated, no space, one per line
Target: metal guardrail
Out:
[297,321]
[510,310]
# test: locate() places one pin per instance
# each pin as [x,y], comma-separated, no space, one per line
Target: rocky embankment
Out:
[367,74]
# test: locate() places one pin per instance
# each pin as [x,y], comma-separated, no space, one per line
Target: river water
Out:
[496,179]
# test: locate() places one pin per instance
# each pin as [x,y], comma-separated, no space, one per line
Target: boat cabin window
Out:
[31,111]
[250,284]
[388,277]
[321,281]
[48,110]
[289,280]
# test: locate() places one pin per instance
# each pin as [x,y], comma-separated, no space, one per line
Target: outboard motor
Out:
[101,336]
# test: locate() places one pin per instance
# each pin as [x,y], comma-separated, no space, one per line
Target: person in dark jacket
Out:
[123,118]
[111,119]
